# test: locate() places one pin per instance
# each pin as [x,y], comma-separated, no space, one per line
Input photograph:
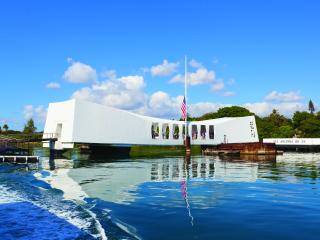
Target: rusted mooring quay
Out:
[237,149]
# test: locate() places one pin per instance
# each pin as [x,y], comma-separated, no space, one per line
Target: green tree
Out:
[310,127]
[277,119]
[311,107]
[298,117]
[234,111]
[264,127]
[29,128]
[5,127]
[306,124]
[285,131]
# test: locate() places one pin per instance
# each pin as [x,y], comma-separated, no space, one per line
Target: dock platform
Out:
[19,159]
[237,149]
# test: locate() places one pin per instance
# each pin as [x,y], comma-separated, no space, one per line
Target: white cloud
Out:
[132,82]
[201,76]
[218,85]
[201,108]
[129,93]
[53,85]
[286,103]
[265,108]
[195,64]
[259,108]
[160,104]
[125,92]
[38,113]
[283,97]
[228,94]
[28,111]
[109,74]
[164,69]
[79,72]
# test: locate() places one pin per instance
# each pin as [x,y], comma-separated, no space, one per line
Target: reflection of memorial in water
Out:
[120,181]
[205,169]
[175,170]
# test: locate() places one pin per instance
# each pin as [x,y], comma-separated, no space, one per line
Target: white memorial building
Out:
[81,122]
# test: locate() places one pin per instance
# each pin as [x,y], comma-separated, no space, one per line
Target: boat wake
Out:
[25,190]
[59,179]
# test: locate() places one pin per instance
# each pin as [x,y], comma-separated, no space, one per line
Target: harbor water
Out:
[197,197]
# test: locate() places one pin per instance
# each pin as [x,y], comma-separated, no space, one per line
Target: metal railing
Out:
[51,135]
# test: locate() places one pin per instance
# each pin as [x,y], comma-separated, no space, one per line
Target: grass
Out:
[160,151]
[135,152]
[20,136]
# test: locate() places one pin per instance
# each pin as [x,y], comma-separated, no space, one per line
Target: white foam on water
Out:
[72,191]
[8,196]
[98,225]
[59,179]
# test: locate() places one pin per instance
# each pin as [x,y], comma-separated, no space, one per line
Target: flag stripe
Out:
[183,109]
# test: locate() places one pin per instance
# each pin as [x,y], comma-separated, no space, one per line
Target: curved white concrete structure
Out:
[76,121]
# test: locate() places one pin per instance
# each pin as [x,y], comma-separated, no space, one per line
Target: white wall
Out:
[96,123]
[60,113]
[86,122]
[236,130]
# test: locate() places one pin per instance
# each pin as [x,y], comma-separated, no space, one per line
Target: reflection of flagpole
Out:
[184,189]
[187,138]
[185,97]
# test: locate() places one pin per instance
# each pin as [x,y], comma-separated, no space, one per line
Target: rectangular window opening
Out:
[211,131]
[203,131]
[194,132]
[155,130]
[176,131]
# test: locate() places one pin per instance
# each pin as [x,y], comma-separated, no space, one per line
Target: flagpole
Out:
[185,96]
[187,138]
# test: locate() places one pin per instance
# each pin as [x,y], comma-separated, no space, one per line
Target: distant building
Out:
[295,144]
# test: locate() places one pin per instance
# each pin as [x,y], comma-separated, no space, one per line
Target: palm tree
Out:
[311,107]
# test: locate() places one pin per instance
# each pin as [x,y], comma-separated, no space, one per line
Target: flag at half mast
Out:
[184,109]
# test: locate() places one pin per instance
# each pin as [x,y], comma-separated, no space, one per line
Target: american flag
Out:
[183,109]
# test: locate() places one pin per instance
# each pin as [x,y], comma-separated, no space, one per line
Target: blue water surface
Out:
[201,197]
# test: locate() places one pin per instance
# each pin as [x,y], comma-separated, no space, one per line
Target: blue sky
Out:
[257,54]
